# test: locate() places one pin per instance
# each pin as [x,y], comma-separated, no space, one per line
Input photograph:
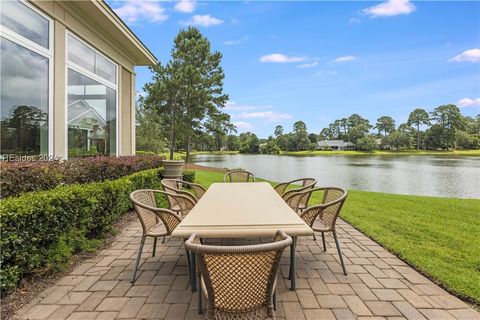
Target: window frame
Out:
[77,68]
[44,52]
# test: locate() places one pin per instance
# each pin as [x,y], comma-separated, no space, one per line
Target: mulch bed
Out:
[191,166]
[31,286]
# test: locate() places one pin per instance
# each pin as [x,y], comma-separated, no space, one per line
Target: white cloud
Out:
[280,58]
[309,65]
[135,11]
[236,42]
[344,59]
[243,126]
[186,6]
[265,115]
[233,106]
[204,20]
[390,8]
[472,55]
[469,102]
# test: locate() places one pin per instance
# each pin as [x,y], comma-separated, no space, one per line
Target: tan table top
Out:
[237,210]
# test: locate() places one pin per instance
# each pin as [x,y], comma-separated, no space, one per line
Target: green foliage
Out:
[43,229]
[417,118]
[148,131]
[145,153]
[20,177]
[269,147]
[187,89]
[366,143]
[397,140]
[249,143]
[450,120]
[218,125]
[233,143]
[385,124]
[189,176]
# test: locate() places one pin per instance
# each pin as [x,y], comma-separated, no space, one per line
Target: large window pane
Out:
[80,54]
[19,18]
[106,69]
[87,58]
[91,117]
[24,100]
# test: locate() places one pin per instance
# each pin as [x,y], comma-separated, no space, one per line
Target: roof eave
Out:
[150,58]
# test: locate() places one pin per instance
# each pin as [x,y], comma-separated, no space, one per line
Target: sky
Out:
[319,61]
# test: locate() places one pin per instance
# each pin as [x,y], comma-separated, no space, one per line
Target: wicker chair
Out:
[281,188]
[179,202]
[181,187]
[322,217]
[238,176]
[300,203]
[156,222]
[238,281]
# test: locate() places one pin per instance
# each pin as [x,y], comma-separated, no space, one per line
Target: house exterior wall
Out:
[66,18]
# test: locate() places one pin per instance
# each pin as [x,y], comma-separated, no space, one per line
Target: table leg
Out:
[292,264]
[193,272]
[200,292]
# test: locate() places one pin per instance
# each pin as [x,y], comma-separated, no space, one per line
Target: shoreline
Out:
[469,153]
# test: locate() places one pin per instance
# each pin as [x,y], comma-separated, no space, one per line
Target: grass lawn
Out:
[438,236]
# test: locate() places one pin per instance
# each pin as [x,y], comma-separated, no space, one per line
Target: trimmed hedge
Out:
[21,177]
[41,229]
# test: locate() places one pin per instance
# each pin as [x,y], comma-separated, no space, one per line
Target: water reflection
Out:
[442,176]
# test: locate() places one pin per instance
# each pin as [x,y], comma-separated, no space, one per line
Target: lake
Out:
[440,176]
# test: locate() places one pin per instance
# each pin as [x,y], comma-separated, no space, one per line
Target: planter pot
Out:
[173,169]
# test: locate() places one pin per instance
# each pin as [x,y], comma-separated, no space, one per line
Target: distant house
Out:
[336,145]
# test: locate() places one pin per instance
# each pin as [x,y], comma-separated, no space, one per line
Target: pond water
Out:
[440,176]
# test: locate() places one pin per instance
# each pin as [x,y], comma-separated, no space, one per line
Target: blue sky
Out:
[319,61]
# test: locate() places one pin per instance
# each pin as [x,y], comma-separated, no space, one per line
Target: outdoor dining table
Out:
[242,210]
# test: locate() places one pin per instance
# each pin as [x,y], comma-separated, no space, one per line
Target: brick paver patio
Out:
[378,286]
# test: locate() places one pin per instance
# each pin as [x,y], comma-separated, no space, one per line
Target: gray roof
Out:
[335,143]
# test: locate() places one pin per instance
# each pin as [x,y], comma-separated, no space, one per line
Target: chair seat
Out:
[318,225]
[158,231]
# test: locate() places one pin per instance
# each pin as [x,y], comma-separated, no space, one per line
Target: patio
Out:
[378,285]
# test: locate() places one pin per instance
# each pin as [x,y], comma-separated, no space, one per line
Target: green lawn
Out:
[439,236]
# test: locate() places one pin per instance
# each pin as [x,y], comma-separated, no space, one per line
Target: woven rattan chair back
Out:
[299,198]
[183,187]
[239,176]
[281,188]
[239,281]
[149,214]
[328,210]
[182,204]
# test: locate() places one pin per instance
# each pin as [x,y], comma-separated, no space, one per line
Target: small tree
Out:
[200,80]
[366,143]
[385,124]
[162,100]
[417,118]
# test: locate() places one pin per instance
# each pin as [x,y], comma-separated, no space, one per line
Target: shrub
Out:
[366,143]
[43,229]
[142,153]
[188,175]
[20,177]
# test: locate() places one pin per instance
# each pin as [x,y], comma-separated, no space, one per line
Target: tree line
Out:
[182,111]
